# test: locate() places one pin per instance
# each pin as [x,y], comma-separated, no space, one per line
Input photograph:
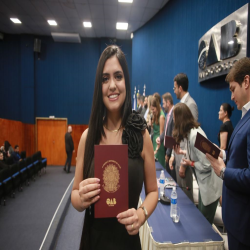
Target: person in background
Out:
[142,99]
[3,165]
[69,146]
[147,115]
[15,155]
[210,185]
[236,173]
[184,174]
[139,104]
[226,129]
[158,128]
[168,106]
[112,122]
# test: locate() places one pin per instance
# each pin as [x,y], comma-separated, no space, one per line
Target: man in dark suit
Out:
[69,145]
[184,175]
[168,106]
[236,172]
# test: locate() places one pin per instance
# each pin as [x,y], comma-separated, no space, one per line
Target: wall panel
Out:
[168,45]
[18,133]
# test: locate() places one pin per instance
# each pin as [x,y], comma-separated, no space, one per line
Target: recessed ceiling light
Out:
[52,22]
[125,1]
[15,20]
[87,24]
[121,26]
[132,35]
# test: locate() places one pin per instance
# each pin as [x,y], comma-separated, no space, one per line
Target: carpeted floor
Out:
[25,219]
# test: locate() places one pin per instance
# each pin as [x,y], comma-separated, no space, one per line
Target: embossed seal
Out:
[205,146]
[111,176]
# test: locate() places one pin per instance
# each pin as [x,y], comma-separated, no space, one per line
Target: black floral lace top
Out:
[132,134]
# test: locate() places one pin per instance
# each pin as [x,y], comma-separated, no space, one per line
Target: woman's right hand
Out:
[171,160]
[89,190]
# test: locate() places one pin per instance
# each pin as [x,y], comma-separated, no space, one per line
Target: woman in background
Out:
[210,185]
[226,129]
[113,123]
[158,127]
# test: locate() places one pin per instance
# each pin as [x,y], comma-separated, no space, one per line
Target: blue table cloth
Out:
[192,227]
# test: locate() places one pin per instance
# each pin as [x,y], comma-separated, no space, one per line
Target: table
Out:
[192,232]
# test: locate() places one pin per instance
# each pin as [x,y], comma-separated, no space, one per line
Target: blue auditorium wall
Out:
[61,83]
[10,79]
[168,45]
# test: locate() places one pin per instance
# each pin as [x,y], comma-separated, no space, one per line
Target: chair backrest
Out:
[39,155]
[28,161]
[23,154]
[22,164]
[14,168]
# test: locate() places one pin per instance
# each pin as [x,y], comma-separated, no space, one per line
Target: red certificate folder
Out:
[206,146]
[170,142]
[111,167]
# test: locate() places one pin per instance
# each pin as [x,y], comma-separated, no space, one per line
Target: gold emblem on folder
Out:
[205,146]
[111,176]
[111,202]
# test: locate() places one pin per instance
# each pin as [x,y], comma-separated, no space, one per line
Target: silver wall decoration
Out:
[223,45]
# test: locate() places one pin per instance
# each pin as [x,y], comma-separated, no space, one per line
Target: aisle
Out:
[25,219]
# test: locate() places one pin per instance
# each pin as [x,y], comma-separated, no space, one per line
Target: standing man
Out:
[236,173]
[69,145]
[184,175]
[168,106]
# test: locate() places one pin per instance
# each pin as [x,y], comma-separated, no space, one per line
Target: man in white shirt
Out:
[236,172]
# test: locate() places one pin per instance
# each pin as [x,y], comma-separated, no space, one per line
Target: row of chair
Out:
[15,176]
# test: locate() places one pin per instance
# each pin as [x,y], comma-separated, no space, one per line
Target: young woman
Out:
[112,123]
[226,129]
[210,185]
[158,127]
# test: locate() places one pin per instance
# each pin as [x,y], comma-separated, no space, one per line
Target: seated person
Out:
[15,155]
[3,165]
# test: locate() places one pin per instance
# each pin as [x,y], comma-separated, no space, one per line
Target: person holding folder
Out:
[113,123]
[210,185]
[236,172]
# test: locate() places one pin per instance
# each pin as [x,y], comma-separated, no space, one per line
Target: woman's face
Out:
[154,110]
[222,113]
[113,85]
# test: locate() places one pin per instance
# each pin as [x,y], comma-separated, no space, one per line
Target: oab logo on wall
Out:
[223,45]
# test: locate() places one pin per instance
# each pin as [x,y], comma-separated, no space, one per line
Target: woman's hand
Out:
[182,171]
[171,160]
[89,191]
[130,219]
[186,162]
[178,150]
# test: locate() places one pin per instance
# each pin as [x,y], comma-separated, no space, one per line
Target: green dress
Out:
[160,155]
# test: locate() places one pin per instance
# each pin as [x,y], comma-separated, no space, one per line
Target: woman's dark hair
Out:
[227,108]
[6,146]
[183,122]
[98,112]
[155,103]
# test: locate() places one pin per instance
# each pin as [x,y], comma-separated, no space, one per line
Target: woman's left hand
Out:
[131,221]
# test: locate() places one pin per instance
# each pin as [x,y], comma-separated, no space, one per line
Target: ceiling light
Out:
[125,1]
[87,24]
[132,35]
[52,22]
[121,26]
[15,20]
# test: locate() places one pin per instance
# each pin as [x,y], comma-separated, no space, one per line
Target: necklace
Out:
[115,130]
